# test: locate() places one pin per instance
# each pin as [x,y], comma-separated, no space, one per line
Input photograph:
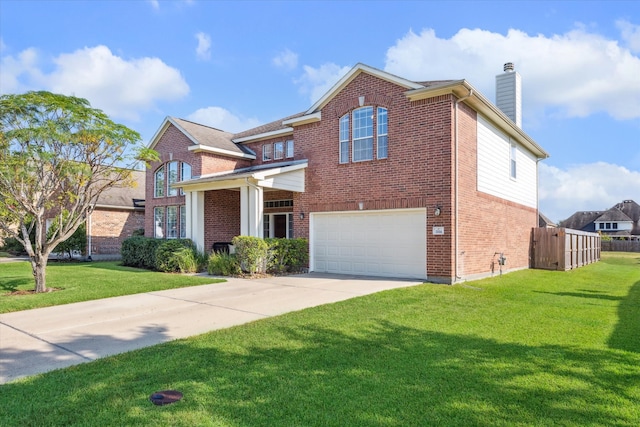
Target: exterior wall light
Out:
[438,211]
[301,215]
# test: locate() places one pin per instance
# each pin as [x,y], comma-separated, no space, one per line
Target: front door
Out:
[280,226]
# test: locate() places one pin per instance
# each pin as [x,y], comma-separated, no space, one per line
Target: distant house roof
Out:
[543,221]
[125,197]
[613,214]
[582,220]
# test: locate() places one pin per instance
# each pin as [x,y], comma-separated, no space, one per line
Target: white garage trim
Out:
[386,243]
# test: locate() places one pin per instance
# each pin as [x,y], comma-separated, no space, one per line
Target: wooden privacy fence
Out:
[563,248]
[621,245]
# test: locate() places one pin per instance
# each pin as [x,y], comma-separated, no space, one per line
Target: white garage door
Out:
[390,243]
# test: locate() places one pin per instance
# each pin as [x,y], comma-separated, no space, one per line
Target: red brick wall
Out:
[110,227]
[221,216]
[488,225]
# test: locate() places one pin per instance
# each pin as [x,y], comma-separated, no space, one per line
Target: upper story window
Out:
[277,150]
[512,160]
[158,182]
[167,174]
[360,138]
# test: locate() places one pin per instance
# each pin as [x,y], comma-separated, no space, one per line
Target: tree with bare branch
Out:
[57,155]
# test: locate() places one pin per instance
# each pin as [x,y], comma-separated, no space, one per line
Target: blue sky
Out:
[235,65]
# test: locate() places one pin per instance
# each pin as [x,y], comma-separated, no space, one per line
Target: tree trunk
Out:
[39,267]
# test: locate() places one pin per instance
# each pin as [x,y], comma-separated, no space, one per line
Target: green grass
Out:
[83,282]
[531,348]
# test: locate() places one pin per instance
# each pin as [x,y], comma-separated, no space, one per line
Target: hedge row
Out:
[170,256]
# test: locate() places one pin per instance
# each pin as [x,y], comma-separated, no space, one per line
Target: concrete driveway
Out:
[44,339]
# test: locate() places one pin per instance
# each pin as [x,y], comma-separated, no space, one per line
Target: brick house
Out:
[384,176]
[621,221]
[118,213]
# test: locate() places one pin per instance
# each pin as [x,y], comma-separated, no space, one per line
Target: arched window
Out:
[360,130]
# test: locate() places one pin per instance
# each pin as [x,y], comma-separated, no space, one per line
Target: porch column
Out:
[251,210]
[194,201]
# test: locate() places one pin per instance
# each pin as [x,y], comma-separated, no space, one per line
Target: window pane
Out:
[513,160]
[185,174]
[266,226]
[290,232]
[158,219]
[159,182]
[172,222]
[344,139]
[183,222]
[172,178]
[290,148]
[382,133]
[363,134]
[278,150]
[266,152]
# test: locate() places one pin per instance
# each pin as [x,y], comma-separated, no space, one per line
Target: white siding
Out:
[494,167]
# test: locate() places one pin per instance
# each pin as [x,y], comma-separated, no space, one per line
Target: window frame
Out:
[182,221]
[183,175]
[362,134]
[172,228]
[289,149]
[278,150]
[267,152]
[158,223]
[513,160]
[159,189]
[345,143]
[382,132]
[173,170]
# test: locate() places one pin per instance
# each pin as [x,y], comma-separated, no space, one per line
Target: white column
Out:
[244,210]
[194,201]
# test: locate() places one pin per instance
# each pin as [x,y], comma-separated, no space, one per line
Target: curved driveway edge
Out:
[44,339]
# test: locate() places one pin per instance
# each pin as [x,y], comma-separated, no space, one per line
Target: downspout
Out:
[89,240]
[456,236]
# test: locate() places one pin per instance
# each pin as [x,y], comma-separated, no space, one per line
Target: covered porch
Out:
[251,183]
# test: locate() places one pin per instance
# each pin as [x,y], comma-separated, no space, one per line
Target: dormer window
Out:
[357,143]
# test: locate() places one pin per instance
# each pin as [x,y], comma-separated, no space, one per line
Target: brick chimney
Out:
[509,93]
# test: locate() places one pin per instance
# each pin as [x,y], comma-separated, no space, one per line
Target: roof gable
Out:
[203,138]
[352,74]
[613,214]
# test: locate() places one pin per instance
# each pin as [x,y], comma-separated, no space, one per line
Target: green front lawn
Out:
[531,348]
[75,282]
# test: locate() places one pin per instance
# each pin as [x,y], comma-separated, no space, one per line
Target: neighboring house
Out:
[384,176]
[622,221]
[545,222]
[118,213]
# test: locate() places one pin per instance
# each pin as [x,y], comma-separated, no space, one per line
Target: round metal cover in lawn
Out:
[165,397]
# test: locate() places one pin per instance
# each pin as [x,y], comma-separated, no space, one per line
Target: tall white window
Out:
[183,222]
[278,150]
[290,148]
[172,178]
[185,174]
[158,182]
[158,222]
[512,160]
[266,153]
[172,222]
[381,120]
[363,134]
[344,139]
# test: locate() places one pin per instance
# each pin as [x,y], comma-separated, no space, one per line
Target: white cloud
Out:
[155,4]
[14,69]
[576,74]
[122,88]
[222,119]
[203,51]
[286,59]
[585,187]
[2,45]
[630,33]
[317,81]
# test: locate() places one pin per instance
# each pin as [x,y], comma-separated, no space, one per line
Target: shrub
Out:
[13,246]
[288,255]
[252,254]
[176,256]
[77,242]
[140,252]
[223,264]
